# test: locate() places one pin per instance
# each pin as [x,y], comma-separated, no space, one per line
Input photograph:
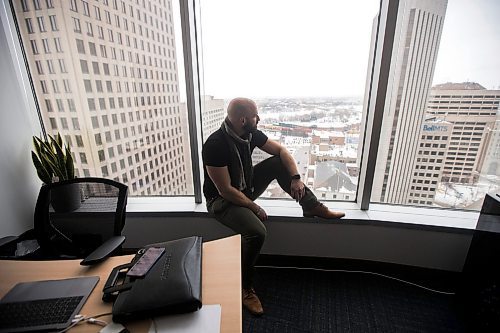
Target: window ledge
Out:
[288,208]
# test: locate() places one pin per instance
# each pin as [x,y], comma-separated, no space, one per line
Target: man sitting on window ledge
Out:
[232,184]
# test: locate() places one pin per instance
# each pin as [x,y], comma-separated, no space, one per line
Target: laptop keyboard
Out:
[36,313]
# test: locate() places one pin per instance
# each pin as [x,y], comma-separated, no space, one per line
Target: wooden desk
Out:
[220,275]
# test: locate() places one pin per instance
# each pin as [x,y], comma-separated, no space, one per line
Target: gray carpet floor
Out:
[298,301]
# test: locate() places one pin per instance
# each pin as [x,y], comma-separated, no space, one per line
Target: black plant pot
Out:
[66,198]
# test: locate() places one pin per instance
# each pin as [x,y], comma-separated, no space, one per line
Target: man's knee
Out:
[261,234]
[275,163]
[256,235]
[274,159]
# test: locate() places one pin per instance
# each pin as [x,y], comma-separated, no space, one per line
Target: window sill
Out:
[288,208]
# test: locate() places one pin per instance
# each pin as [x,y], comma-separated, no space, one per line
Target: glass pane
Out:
[106,76]
[305,65]
[439,143]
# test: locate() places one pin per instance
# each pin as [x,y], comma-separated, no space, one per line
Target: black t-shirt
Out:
[215,152]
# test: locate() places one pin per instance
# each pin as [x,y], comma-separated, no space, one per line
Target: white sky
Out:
[291,48]
[263,48]
[470,43]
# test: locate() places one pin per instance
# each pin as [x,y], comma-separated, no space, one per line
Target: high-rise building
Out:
[491,165]
[473,112]
[430,160]
[106,78]
[416,44]
[213,115]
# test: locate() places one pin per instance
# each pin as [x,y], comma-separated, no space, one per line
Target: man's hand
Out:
[297,189]
[261,213]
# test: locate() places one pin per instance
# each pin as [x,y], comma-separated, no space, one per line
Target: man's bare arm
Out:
[274,148]
[222,180]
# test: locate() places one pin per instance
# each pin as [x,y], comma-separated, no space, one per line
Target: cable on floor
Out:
[363,272]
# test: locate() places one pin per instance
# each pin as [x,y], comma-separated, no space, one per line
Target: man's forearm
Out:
[238,198]
[288,162]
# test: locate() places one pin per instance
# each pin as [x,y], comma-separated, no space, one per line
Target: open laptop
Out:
[44,305]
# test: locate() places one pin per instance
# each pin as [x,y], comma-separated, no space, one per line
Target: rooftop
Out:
[459,86]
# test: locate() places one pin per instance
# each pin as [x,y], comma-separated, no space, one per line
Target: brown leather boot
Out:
[251,302]
[322,211]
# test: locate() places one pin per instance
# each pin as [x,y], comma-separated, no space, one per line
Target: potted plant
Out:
[53,162]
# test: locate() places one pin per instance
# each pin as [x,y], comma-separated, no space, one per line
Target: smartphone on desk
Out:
[145,262]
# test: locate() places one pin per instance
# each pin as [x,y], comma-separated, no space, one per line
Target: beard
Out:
[249,128]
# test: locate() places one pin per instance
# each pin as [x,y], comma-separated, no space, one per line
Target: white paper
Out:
[205,320]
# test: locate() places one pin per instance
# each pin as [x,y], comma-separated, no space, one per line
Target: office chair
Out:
[80,218]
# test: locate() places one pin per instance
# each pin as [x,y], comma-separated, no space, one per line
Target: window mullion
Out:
[380,69]
[190,50]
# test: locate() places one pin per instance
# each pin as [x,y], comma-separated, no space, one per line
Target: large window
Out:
[439,143]
[109,76]
[305,64]
[115,95]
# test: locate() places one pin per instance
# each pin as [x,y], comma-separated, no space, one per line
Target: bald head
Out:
[242,114]
[240,107]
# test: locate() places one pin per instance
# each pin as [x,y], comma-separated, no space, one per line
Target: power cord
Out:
[79,318]
[363,272]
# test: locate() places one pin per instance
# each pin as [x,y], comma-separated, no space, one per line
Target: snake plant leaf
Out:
[46,164]
[52,158]
[59,139]
[42,145]
[61,161]
[47,148]
[36,145]
[41,150]
[70,168]
[48,154]
[42,172]
[52,143]
[55,168]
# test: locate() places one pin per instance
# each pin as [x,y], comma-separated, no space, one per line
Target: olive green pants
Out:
[243,221]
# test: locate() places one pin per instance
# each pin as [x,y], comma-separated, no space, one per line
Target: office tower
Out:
[105,75]
[430,161]
[416,44]
[473,112]
[213,114]
[492,160]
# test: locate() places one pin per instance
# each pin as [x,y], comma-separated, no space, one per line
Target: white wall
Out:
[436,248]
[18,182]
